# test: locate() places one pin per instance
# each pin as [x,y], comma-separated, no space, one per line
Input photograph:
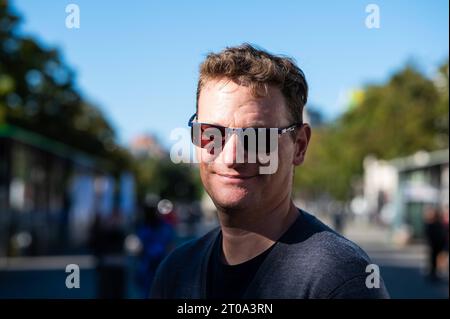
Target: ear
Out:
[301,144]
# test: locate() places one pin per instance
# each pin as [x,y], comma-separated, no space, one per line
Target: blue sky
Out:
[138,60]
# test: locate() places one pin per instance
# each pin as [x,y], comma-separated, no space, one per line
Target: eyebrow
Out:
[241,127]
[255,124]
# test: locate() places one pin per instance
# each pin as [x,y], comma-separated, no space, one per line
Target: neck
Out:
[246,234]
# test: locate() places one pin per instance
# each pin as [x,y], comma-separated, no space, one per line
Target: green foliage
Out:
[37,93]
[407,114]
[176,182]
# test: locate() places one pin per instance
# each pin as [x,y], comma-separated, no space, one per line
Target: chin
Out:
[233,200]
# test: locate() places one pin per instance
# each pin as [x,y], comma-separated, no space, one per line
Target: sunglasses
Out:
[202,134]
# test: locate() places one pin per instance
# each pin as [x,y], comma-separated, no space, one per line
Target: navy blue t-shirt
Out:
[309,261]
[230,281]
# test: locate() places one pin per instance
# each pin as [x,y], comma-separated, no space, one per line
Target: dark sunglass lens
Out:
[195,134]
[271,145]
[268,144]
[210,132]
[249,139]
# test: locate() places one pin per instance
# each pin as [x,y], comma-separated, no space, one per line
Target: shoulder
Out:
[329,260]
[190,250]
[182,264]
[309,235]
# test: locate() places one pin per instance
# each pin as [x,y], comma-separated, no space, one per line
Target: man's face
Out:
[233,185]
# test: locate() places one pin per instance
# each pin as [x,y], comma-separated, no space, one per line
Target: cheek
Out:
[208,178]
[204,174]
[285,167]
[204,156]
[286,153]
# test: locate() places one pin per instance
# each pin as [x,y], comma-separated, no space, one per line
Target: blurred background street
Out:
[92,94]
[404,269]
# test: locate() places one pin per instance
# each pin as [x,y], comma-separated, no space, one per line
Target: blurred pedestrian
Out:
[338,221]
[435,233]
[443,256]
[157,239]
[107,243]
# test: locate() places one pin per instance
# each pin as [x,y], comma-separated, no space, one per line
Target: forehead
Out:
[229,104]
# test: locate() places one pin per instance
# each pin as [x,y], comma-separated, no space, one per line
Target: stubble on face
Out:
[236,187]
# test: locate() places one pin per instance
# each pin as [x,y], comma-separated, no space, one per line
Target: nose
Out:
[228,155]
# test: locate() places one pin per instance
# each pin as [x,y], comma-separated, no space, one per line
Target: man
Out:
[265,247]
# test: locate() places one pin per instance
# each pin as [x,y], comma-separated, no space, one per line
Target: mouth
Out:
[236,177]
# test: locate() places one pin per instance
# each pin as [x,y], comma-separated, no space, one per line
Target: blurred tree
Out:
[176,182]
[442,117]
[407,114]
[37,93]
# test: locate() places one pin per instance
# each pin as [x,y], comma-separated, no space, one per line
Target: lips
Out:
[236,176]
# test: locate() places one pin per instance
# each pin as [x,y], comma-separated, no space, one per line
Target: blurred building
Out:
[50,193]
[147,145]
[397,191]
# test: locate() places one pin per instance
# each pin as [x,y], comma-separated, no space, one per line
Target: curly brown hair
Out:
[257,69]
